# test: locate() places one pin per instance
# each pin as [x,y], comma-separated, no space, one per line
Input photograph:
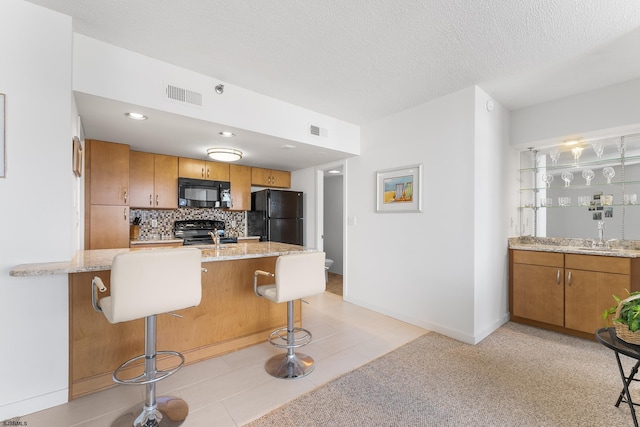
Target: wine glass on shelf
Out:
[567,177]
[598,148]
[577,152]
[547,179]
[555,155]
[588,175]
[608,173]
[620,145]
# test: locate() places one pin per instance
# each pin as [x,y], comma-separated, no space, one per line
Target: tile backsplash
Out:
[235,222]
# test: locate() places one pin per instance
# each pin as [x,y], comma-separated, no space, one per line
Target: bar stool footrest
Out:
[144,378]
[278,338]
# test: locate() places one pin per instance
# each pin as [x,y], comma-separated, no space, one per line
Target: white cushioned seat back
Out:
[154,281]
[299,275]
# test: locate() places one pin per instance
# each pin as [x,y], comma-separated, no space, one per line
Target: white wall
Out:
[492,215]
[333,221]
[36,195]
[591,113]
[108,71]
[417,266]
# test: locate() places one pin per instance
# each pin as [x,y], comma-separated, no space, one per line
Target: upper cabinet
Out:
[153,180]
[202,169]
[270,178]
[240,179]
[107,170]
[107,195]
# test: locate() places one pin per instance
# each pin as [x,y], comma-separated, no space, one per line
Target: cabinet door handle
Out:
[125,196]
[156,200]
[150,200]
[569,279]
[124,211]
[202,173]
[558,277]
[208,173]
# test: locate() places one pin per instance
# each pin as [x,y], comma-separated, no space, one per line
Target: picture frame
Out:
[77,156]
[3,163]
[399,189]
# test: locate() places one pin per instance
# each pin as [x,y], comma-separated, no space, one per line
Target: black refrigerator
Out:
[276,216]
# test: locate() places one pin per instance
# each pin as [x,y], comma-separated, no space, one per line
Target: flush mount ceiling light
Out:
[136,116]
[224,154]
[227,134]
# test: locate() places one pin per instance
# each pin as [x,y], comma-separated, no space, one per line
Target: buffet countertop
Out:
[617,248]
[101,259]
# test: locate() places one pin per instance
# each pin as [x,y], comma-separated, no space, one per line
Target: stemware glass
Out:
[547,179]
[620,145]
[608,173]
[555,155]
[577,152]
[598,148]
[567,177]
[588,175]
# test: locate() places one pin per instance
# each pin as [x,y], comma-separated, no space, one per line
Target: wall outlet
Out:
[154,223]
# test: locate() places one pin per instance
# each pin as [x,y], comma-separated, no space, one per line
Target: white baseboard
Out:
[34,404]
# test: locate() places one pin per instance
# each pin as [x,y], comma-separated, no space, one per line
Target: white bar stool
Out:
[297,276]
[143,284]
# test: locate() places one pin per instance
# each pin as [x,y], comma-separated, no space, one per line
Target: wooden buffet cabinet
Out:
[567,292]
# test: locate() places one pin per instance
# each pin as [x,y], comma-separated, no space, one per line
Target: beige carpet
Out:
[518,376]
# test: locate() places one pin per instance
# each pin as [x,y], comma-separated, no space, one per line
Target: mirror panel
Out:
[566,190]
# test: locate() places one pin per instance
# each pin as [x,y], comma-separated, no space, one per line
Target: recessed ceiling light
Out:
[136,116]
[227,134]
[288,146]
[571,142]
[334,171]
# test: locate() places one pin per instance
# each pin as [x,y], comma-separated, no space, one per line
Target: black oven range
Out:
[196,231]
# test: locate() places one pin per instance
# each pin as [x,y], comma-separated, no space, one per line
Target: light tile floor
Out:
[234,389]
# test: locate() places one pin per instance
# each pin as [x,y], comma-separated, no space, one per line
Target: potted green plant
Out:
[626,318]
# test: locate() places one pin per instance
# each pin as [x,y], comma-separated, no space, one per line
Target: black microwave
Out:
[201,193]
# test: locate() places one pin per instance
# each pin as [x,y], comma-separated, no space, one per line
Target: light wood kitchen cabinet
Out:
[270,178]
[240,179]
[153,180]
[591,281]
[106,195]
[538,286]
[567,292]
[202,169]
[109,227]
[107,172]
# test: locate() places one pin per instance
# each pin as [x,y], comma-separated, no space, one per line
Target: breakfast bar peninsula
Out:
[228,318]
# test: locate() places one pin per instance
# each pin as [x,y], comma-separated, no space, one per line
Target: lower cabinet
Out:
[567,292]
[109,227]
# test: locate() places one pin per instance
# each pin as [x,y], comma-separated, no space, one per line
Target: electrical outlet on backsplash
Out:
[234,221]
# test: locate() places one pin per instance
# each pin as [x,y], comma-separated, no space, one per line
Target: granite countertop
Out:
[101,259]
[618,248]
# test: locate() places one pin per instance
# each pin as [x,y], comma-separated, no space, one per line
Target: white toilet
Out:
[327,265]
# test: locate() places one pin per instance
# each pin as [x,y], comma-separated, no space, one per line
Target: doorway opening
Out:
[331,223]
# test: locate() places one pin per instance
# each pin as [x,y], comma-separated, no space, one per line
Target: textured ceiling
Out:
[360,60]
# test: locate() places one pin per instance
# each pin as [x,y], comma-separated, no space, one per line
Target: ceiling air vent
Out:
[183,95]
[318,131]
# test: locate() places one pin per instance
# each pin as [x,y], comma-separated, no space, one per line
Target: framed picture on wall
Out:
[3,163]
[399,189]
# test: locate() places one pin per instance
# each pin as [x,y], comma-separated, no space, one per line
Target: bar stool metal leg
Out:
[291,365]
[166,411]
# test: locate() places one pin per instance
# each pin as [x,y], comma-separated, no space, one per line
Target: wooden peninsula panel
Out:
[229,317]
